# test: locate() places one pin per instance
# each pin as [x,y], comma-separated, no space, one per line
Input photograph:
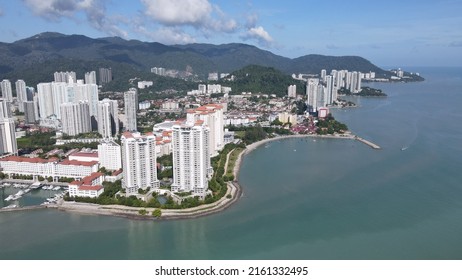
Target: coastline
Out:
[234,189]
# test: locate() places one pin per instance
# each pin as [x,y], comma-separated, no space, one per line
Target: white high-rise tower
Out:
[21,94]
[131,107]
[191,158]
[8,143]
[75,118]
[108,120]
[139,162]
[212,115]
[7,92]
[312,94]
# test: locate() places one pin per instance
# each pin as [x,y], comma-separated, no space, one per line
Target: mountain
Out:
[256,78]
[58,50]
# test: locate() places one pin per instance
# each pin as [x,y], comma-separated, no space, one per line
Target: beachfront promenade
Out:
[234,191]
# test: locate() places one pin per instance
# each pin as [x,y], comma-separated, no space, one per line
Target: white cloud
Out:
[251,20]
[178,12]
[259,34]
[199,14]
[166,35]
[94,11]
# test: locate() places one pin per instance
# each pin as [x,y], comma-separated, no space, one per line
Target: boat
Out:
[404,148]
[10,197]
[35,185]
[57,188]
[20,193]
[10,206]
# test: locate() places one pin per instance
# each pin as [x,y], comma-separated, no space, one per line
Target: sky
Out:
[388,33]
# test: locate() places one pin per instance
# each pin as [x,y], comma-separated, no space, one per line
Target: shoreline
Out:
[234,189]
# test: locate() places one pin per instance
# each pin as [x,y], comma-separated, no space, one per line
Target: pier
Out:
[369,143]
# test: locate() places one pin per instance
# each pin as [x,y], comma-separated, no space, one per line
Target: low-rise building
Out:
[90,186]
[75,169]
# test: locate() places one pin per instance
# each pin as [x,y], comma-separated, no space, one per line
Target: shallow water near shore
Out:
[304,198]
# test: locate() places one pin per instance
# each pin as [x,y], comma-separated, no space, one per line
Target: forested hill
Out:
[261,79]
[56,49]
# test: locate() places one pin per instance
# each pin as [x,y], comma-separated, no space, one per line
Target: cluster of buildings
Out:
[209,89]
[192,141]
[323,91]
[215,76]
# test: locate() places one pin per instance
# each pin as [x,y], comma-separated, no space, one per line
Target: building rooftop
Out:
[78,163]
[93,154]
[30,160]
[90,188]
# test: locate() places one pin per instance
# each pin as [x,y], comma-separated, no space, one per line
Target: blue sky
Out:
[388,33]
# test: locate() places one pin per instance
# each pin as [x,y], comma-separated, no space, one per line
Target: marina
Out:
[15,196]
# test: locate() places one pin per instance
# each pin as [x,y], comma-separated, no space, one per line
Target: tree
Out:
[157,213]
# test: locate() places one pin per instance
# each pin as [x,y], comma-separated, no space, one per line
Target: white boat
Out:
[10,197]
[10,206]
[20,193]
[57,188]
[404,148]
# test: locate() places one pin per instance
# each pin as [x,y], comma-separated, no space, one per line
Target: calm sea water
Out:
[304,199]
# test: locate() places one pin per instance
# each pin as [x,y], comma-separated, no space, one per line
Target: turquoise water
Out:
[34,197]
[304,199]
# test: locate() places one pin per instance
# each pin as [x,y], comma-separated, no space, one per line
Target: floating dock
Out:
[369,143]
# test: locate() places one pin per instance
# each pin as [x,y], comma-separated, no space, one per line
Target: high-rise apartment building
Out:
[90,77]
[5,111]
[52,95]
[312,94]
[7,92]
[329,90]
[105,76]
[292,91]
[139,162]
[191,158]
[212,116]
[131,107]
[107,117]
[8,143]
[110,155]
[64,77]
[29,112]
[21,94]
[75,118]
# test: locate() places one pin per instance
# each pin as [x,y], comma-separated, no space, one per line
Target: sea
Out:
[304,198]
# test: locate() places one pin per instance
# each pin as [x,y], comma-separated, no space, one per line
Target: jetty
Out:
[369,143]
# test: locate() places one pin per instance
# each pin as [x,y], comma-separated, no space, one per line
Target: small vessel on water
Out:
[404,148]
[35,185]
[10,206]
